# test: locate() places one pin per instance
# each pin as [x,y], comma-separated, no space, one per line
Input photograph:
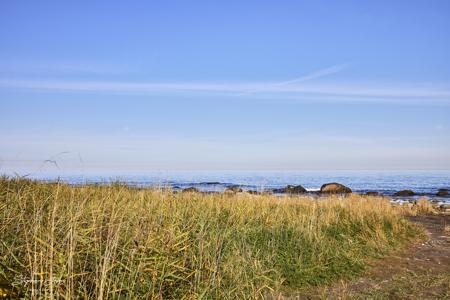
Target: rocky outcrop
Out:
[295,189]
[405,193]
[335,188]
[375,194]
[290,189]
[190,190]
[443,193]
[278,191]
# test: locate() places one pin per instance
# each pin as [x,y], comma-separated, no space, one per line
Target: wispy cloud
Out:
[314,75]
[298,89]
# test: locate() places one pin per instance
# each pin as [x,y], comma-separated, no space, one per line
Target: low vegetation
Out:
[61,241]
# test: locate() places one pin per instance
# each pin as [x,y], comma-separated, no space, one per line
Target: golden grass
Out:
[420,207]
[103,242]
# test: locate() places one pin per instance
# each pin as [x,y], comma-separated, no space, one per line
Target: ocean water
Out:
[385,182]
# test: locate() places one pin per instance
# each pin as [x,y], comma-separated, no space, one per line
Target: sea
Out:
[424,183]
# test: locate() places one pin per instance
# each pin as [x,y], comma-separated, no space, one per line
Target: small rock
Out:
[190,190]
[404,193]
[278,191]
[233,189]
[295,189]
[443,193]
[373,194]
[291,189]
[444,207]
[252,192]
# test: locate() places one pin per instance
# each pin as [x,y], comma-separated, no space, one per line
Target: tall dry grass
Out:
[105,242]
[420,207]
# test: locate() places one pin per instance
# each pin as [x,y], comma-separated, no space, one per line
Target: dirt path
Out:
[419,272]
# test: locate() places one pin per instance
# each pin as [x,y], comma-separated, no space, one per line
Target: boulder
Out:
[190,190]
[233,189]
[443,193]
[335,188]
[291,189]
[375,194]
[295,189]
[405,193]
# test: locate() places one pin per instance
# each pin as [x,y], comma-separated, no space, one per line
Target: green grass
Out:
[59,241]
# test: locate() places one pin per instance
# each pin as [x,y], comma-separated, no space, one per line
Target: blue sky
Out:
[236,85]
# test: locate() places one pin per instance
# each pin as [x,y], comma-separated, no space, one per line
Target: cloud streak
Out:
[315,75]
[300,89]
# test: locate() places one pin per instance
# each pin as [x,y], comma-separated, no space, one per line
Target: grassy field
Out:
[58,241]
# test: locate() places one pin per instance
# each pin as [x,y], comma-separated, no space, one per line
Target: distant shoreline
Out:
[432,193]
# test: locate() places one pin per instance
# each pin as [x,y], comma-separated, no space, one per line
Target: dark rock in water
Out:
[443,193]
[405,193]
[233,189]
[372,194]
[190,190]
[295,189]
[290,189]
[335,188]
[210,183]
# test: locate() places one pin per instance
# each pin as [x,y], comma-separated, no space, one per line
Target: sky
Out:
[112,86]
